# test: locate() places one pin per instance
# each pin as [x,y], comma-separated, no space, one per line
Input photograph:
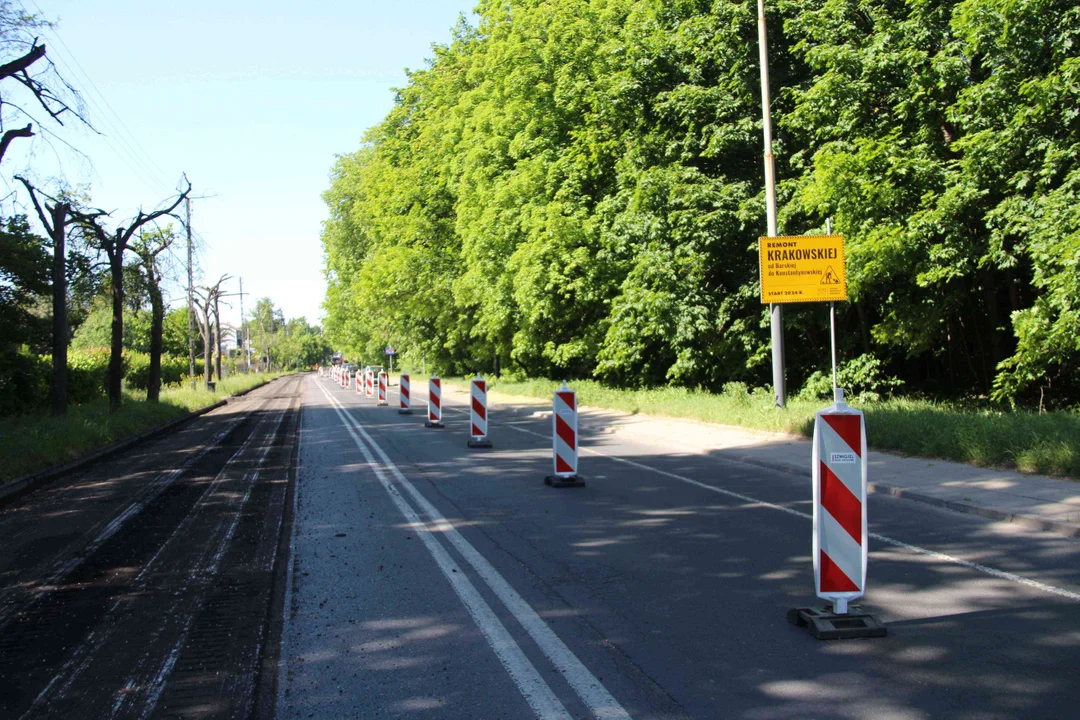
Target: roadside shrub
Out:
[88,370]
[137,369]
[25,378]
[24,382]
[863,379]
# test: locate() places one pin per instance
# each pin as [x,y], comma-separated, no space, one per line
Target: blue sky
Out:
[251,99]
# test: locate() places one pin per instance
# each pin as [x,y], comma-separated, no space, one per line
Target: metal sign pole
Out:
[832,332]
[832,319]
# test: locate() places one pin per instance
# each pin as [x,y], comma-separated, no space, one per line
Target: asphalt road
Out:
[430,580]
[142,587]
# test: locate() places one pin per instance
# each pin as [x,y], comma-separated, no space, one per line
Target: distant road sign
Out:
[390,350]
[802,268]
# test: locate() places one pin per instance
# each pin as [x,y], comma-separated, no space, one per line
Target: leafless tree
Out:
[115,244]
[149,247]
[55,217]
[206,304]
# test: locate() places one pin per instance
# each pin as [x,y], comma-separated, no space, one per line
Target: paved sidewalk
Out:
[1033,501]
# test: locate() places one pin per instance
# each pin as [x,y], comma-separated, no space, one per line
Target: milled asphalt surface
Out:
[673,596]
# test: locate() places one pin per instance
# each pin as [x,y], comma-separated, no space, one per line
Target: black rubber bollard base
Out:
[404,412]
[824,624]
[479,443]
[560,481]
[383,405]
[436,424]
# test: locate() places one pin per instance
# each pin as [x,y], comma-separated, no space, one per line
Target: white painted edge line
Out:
[591,691]
[994,572]
[533,688]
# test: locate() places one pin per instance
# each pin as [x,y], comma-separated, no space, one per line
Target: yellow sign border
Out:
[773,295]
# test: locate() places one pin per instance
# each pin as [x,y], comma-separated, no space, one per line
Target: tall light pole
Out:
[776,311]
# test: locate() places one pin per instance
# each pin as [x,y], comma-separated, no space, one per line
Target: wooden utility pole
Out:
[243,326]
[217,333]
[190,299]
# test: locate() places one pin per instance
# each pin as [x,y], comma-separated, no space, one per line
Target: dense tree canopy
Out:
[577,188]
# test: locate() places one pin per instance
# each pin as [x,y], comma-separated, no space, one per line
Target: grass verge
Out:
[29,443]
[1029,442]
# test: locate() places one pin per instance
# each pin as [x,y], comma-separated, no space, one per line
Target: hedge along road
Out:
[664,584]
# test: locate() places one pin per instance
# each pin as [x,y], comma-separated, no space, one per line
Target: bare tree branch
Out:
[20,64]
[10,135]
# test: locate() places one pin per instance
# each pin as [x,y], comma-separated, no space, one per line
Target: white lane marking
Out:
[994,572]
[591,691]
[536,692]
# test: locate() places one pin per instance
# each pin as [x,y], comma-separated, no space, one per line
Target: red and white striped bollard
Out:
[382,388]
[478,413]
[405,402]
[564,425]
[434,403]
[839,535]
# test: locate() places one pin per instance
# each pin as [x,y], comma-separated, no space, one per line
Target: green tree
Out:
[174,332]
[263,324]
[24,276]
[577,188]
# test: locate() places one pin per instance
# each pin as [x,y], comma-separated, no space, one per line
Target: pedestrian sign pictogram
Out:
[804,268]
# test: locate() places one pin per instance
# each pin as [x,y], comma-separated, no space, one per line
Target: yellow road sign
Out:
[803,268]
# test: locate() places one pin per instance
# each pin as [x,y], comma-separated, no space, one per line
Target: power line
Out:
[145,157]
[148,171]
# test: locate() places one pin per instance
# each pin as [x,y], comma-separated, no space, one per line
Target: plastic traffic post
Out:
[839,536]
[369,383]
[405,407]
[382,388]
[478,413]
[359,383]
[564,438]
[434,403]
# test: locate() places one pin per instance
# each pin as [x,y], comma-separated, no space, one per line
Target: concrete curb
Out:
[14,489]
[1028,521]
